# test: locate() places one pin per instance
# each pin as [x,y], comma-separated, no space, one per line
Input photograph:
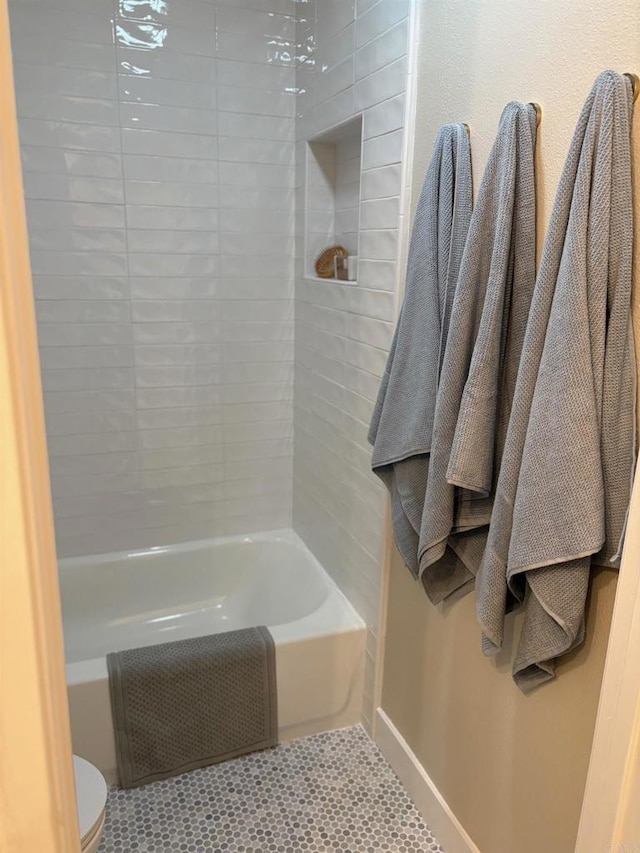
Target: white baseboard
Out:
[428,800]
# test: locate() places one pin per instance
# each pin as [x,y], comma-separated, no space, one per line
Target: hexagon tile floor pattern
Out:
[325,793]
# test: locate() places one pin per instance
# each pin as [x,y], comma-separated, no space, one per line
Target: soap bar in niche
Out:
[340,265]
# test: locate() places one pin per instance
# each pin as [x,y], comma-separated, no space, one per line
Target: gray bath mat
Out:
[182,705]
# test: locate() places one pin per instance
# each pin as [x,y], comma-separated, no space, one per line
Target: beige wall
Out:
[512,767]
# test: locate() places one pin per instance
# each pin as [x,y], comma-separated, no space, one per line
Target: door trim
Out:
[37,789]
[609,819]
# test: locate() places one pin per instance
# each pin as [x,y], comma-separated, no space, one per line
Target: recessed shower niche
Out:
[333,191]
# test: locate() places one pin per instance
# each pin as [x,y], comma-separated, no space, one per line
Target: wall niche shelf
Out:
[332,209]
[319,280]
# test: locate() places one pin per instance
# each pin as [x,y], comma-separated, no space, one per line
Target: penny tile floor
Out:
[325,793]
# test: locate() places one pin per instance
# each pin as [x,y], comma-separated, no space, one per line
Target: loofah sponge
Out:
[324,262]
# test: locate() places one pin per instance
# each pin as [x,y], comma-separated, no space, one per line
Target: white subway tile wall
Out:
[164,148]
[352,59]
[348,166]
[158,146]
[320,200]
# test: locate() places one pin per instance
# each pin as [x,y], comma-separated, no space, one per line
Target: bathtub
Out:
[124,600]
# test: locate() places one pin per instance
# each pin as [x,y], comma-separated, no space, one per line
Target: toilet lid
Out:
[91,795]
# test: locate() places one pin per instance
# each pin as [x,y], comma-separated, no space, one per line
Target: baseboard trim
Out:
[429,801]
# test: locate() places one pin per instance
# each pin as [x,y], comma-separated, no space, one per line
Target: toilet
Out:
[91,800]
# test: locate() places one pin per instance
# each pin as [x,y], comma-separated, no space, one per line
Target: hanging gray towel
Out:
[402,420]
[488,320]
[565,481]
[187,704]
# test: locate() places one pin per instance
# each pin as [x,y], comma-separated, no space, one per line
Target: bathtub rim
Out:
[282,534]
[335,615]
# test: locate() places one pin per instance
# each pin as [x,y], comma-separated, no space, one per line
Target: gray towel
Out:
[565,481]
[182,705]
[488,321]
[402,420]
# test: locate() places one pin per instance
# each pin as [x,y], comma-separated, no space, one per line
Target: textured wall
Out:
[511,767]
[355,62]
[158,152]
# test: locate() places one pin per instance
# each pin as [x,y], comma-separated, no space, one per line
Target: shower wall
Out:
[164,147]
[158,146]
[353,61]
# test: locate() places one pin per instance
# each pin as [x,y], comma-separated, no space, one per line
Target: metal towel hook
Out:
[538,110]
[635,83]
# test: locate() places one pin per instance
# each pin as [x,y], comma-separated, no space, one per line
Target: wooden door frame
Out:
[610,809]
[37,790]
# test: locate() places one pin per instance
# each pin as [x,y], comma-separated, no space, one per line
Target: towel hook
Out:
[635,83]
[467,128]
[538,110]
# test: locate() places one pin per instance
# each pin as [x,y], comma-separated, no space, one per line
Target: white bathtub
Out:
[124,600]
